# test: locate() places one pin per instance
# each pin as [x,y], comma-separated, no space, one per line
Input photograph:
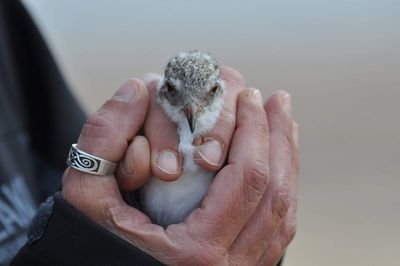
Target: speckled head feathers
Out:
[193,70]
[191,87]
[191,77]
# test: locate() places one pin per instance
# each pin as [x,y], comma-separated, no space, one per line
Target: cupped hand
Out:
[248,216]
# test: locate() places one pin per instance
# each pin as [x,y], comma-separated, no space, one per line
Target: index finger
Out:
[237,189]
[213,147]
[166,160]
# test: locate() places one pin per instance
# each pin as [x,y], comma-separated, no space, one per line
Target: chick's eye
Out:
[170,88]
[214,90]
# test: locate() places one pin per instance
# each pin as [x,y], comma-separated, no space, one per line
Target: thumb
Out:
[106,134]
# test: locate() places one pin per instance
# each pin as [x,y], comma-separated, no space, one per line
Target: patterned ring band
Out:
[88,163]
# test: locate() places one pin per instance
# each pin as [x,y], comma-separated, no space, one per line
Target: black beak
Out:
[192,123]
[190,111]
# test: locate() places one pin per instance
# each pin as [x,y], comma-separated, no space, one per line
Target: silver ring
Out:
[87,163]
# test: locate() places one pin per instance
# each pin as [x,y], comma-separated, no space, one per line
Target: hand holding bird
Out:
[191,94]
[248,214]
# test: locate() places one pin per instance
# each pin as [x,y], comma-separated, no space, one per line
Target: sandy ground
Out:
[340,61]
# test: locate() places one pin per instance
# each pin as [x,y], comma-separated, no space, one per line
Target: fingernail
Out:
[126,92]
[168,162]
[211,151]
[257,94]
[286,101]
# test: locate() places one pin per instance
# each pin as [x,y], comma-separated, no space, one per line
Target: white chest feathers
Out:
[171,202]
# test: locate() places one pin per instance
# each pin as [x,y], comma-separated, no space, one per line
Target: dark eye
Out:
[214,90]
[170,88]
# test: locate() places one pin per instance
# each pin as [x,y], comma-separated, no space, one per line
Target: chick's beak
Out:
[191,111]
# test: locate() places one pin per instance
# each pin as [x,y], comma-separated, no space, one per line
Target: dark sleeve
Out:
[51,115]
[54,117]
[60,235]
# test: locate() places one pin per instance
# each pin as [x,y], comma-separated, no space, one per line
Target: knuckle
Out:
[227,118]
[287,142]
[98,125]
[281,203]
[98,119]
[114,214]
[225,126]
[260,126]
[256,178]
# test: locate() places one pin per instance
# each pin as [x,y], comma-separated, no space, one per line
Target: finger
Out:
[296,155]
[213,146]
[134,169]
[282,238]
[258,232]
[273,253]
[239,186]
[287,230]
[107,132]
[166,161]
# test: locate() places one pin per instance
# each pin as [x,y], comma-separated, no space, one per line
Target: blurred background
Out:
[340,60]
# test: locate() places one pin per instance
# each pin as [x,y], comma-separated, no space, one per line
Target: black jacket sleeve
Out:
[43,103]
[64,236]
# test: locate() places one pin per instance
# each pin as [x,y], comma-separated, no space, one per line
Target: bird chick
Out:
[191,94]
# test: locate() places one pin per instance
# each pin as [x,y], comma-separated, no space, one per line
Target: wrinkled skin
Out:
[249,215]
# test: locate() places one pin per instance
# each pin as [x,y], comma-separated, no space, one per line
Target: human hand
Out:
[240,219]
[273,226]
